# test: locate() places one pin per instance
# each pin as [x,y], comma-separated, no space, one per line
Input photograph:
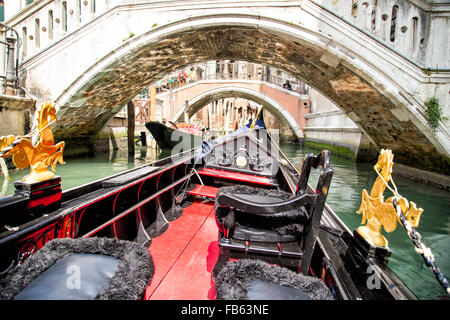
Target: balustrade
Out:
[42,23]
[142,110]
[402,25]
[238,70]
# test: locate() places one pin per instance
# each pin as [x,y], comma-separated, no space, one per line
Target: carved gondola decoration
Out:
[39,156]
[379,213]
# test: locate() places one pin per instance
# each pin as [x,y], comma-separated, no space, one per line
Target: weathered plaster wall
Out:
[328,124]
[15,115]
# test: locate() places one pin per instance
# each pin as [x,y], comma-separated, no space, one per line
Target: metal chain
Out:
[421,248]
[416,238]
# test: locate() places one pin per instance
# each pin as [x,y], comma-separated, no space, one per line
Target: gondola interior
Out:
[205,216]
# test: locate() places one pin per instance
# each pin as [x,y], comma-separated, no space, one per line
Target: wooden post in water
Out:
[131,126]
[153,110]
[186,111]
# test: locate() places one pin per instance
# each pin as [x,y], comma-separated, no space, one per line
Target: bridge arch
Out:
[278,110]
[379,103]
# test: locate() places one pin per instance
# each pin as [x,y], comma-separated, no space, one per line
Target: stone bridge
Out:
[286,105]
[377,60]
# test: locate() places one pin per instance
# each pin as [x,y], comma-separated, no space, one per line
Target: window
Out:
[374,15]
[414,31]
[92,6]
[50,24]
[354,8]
[143,94]
[2,11]
[79,10]
[25,41]
[393,22]
[37,33]
[64,16]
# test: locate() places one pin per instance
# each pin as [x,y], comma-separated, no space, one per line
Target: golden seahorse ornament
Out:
[377,212]
[39,156]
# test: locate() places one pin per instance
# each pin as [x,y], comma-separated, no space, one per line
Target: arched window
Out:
[79,10]
[393,22]
[24,42]
[37,33]
[373,15]
[414,32]
[354,8]
[50,24]
[92,6]
[64,16]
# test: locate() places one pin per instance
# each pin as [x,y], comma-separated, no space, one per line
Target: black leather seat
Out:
[81,269]
[257,280]
[284,226]
[277,226]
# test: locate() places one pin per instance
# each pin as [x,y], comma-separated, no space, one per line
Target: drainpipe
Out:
[12,69]
[10,72]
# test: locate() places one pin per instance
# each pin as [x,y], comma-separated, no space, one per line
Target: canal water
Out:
[344,198]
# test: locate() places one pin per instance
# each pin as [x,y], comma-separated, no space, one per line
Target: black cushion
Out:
[125,267]
[276,227]
[261,235]
[263,290]
[75,277]
[255,279]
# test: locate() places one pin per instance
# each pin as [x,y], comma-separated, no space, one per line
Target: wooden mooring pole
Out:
[153,110]
[131,127]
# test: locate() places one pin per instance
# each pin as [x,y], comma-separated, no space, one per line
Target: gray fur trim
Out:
[234,279]
[133,275]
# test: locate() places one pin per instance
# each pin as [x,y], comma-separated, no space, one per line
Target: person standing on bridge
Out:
[182,77]
[287,85]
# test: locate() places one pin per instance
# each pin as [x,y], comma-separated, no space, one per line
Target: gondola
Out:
[232,219]
[169,137]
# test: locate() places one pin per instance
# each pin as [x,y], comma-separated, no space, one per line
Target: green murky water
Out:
[344,198]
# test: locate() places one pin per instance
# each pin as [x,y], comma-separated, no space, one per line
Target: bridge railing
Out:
[142,110]
[404,26]
[296,86]
[44,22]
[270,75]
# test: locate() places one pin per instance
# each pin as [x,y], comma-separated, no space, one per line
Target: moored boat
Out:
[189,227]
[169,137]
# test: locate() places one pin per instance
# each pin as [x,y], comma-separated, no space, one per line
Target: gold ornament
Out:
[39,156]
[377,212]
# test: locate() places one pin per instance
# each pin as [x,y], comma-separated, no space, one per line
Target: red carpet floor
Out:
[185,255]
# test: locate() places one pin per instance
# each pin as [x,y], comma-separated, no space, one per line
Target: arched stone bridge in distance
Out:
[286,105]
[95,62]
